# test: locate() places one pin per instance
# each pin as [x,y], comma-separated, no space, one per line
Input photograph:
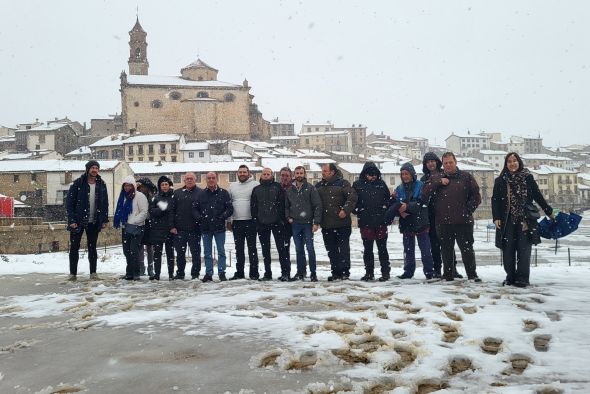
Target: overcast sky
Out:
[407,68]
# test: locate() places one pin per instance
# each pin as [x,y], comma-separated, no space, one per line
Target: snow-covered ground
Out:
[410,337]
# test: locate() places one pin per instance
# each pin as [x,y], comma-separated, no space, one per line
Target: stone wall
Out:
[31,236]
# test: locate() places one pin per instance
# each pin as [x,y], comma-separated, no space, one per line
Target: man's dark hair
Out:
[301,168]
[286,169]
[244,166]
[332,167]
[449,154]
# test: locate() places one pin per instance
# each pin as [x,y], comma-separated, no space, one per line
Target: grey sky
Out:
[421,68]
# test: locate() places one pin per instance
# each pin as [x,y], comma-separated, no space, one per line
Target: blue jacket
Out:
[78,203]
[211,209]
[417,219]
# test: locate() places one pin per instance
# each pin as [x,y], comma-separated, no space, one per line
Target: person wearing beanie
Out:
[161,222]
[412,208]
[87,206]
[130,215]
[373,200]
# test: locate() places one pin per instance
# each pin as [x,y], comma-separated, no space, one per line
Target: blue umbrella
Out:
[562,225]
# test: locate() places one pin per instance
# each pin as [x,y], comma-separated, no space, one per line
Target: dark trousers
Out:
[516,254]
[303,239]
[435,249]
[337,242]
[130,250]
[92,231]
[463,234]
[409,240]
[288,235]
[369,257]
[143,250]
[193,239]
[279,233]
[168,245]
[245,233]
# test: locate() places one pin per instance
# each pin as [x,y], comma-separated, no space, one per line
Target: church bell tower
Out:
[138,63]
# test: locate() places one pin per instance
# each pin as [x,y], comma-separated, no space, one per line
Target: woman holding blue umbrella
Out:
[515,217]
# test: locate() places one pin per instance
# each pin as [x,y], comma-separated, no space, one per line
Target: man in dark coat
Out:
[432,165]
[457,197]
[338,201]
[211,209]
[267,206]
[87,204]
[373,200]
[185,229]
[161,222]
[287,183]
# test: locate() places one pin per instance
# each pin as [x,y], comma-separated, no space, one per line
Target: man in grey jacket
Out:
[242,224]
[303,208]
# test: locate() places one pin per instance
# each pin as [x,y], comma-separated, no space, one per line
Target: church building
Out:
[194,104]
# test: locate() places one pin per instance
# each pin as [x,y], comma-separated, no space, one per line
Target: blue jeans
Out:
[208,251]
[410,254]
[303,237]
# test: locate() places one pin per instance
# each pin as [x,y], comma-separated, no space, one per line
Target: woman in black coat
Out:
[161,221]
[514,216]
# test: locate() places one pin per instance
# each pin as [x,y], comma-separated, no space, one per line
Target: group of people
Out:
[436,211]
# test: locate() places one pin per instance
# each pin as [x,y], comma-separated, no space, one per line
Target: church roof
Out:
[137,27]
[199,64]
[160,80]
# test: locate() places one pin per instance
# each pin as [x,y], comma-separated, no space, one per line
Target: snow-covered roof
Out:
[49,127]
[312,133]
[199,64]
[255,144]
[238,154]
[170,168]
[9,138]
[53,165]
[111,140]
[492,152]
[543,156]
[311,153]
[584,175]
[146,138]
[386,168]
[546,170]
[338,153]
[283,152]
[277,163]
[284,137]
[469,136]
[279,121]
[162,80]
[220,158]
[470,167]
[473,161]
[583,187]
[264,155]
[195,146]
[84,150]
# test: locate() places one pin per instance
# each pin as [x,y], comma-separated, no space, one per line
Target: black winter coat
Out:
[161,217]
[501,211]
[336,194]
[212,209]
[77,202]
[373,200]
[182,208]
[267,204]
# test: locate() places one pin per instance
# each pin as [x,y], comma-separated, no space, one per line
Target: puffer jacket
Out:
[336,194]
[267,204]
[161,217]
[211,209]
[182,206]
[373,198]
[78,204]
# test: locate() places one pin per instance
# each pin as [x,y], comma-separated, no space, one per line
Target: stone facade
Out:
[195,103]
[57,137]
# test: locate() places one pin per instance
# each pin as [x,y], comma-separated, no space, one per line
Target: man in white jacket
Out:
[131,214]
[242,224]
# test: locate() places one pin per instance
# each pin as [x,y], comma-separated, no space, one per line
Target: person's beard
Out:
[299,179]
[243,178]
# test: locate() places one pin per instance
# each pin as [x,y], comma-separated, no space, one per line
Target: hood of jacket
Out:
[130,179]
[164,178]
[410,168]
[430,156]
[369,168]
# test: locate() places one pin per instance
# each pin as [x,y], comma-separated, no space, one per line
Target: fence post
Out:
[569,259]
[535,257]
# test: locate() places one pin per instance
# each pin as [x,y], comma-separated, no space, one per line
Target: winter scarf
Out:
[518,191]
[124,207]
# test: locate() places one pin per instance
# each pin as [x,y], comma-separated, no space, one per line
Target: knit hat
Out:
[129,179]
[92,163]
[164,178]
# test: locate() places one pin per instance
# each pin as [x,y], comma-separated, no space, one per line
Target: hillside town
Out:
[193,122]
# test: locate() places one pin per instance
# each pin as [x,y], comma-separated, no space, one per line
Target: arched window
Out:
[229,97]
[175,95]
[156,104]
[202,95]
[137,53]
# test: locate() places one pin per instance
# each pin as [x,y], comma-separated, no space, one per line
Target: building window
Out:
[68,177]
[198,178]
[202,95]
[150,149]
[156,104]
[175,95]
[130,150]
[37,147]
[174,159]
[162,158]
[15,178]
[34,177]
[176,177]
[140,150]
[232,176]
[173,148]
[140,158]
[150,158]
[136,104]
[42,139]
[201,154]
[162,148]
[191,155]
[229,97]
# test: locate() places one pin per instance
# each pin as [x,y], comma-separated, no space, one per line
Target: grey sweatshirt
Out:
[240,194]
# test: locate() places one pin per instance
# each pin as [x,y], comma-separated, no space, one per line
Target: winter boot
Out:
[222,277]
[207,278]
[313,277]
[368,277]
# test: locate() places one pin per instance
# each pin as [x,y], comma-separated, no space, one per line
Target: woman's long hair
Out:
[505,170]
